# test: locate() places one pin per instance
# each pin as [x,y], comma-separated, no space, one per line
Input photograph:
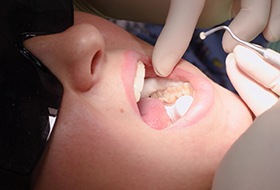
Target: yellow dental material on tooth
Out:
[171,94]
[177,96]
[177,99]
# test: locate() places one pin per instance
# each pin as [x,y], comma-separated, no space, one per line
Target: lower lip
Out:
[203,97]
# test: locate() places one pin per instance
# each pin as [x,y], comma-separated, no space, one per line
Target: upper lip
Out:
[204,92]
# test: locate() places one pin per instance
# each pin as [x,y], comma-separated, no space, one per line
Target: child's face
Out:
[100,140]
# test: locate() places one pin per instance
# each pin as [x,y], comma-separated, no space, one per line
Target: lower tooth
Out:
[180,108]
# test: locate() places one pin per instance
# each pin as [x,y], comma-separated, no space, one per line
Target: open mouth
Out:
[180,100]
[161,101]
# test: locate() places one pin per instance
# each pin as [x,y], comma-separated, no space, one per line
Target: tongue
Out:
[153,113]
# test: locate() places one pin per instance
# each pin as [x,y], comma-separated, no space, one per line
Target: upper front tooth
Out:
[139,80]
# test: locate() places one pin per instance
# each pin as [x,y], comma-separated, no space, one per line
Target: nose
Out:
[72,55]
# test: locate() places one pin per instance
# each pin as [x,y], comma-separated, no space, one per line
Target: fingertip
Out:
[161,73]
[272,30]
[245,56]
[239,49]
[271,34]
[230,65]
[164,66]
[230,59]
[228,43]
[250,21]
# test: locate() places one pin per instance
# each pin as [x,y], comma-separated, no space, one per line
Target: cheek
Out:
[102,152]
[109,97]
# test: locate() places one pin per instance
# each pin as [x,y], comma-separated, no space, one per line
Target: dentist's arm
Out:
[252,163]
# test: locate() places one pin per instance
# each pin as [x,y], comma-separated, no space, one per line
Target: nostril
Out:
[97,57]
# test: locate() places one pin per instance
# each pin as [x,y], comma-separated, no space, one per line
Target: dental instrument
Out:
[269,55]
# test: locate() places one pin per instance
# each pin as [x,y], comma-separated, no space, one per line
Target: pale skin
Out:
[101,142]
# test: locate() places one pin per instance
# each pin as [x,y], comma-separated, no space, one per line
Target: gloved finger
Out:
[261,71]
[176,34]
[248,23]
[272,30]
[257,97]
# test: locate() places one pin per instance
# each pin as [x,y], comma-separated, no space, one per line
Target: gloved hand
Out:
[252,163]
[256,81]
[253,17]
[176,34]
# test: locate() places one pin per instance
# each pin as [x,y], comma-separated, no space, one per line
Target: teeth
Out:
[139,80]
[177,97]
[180,108]
[152,85]
[172,93]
